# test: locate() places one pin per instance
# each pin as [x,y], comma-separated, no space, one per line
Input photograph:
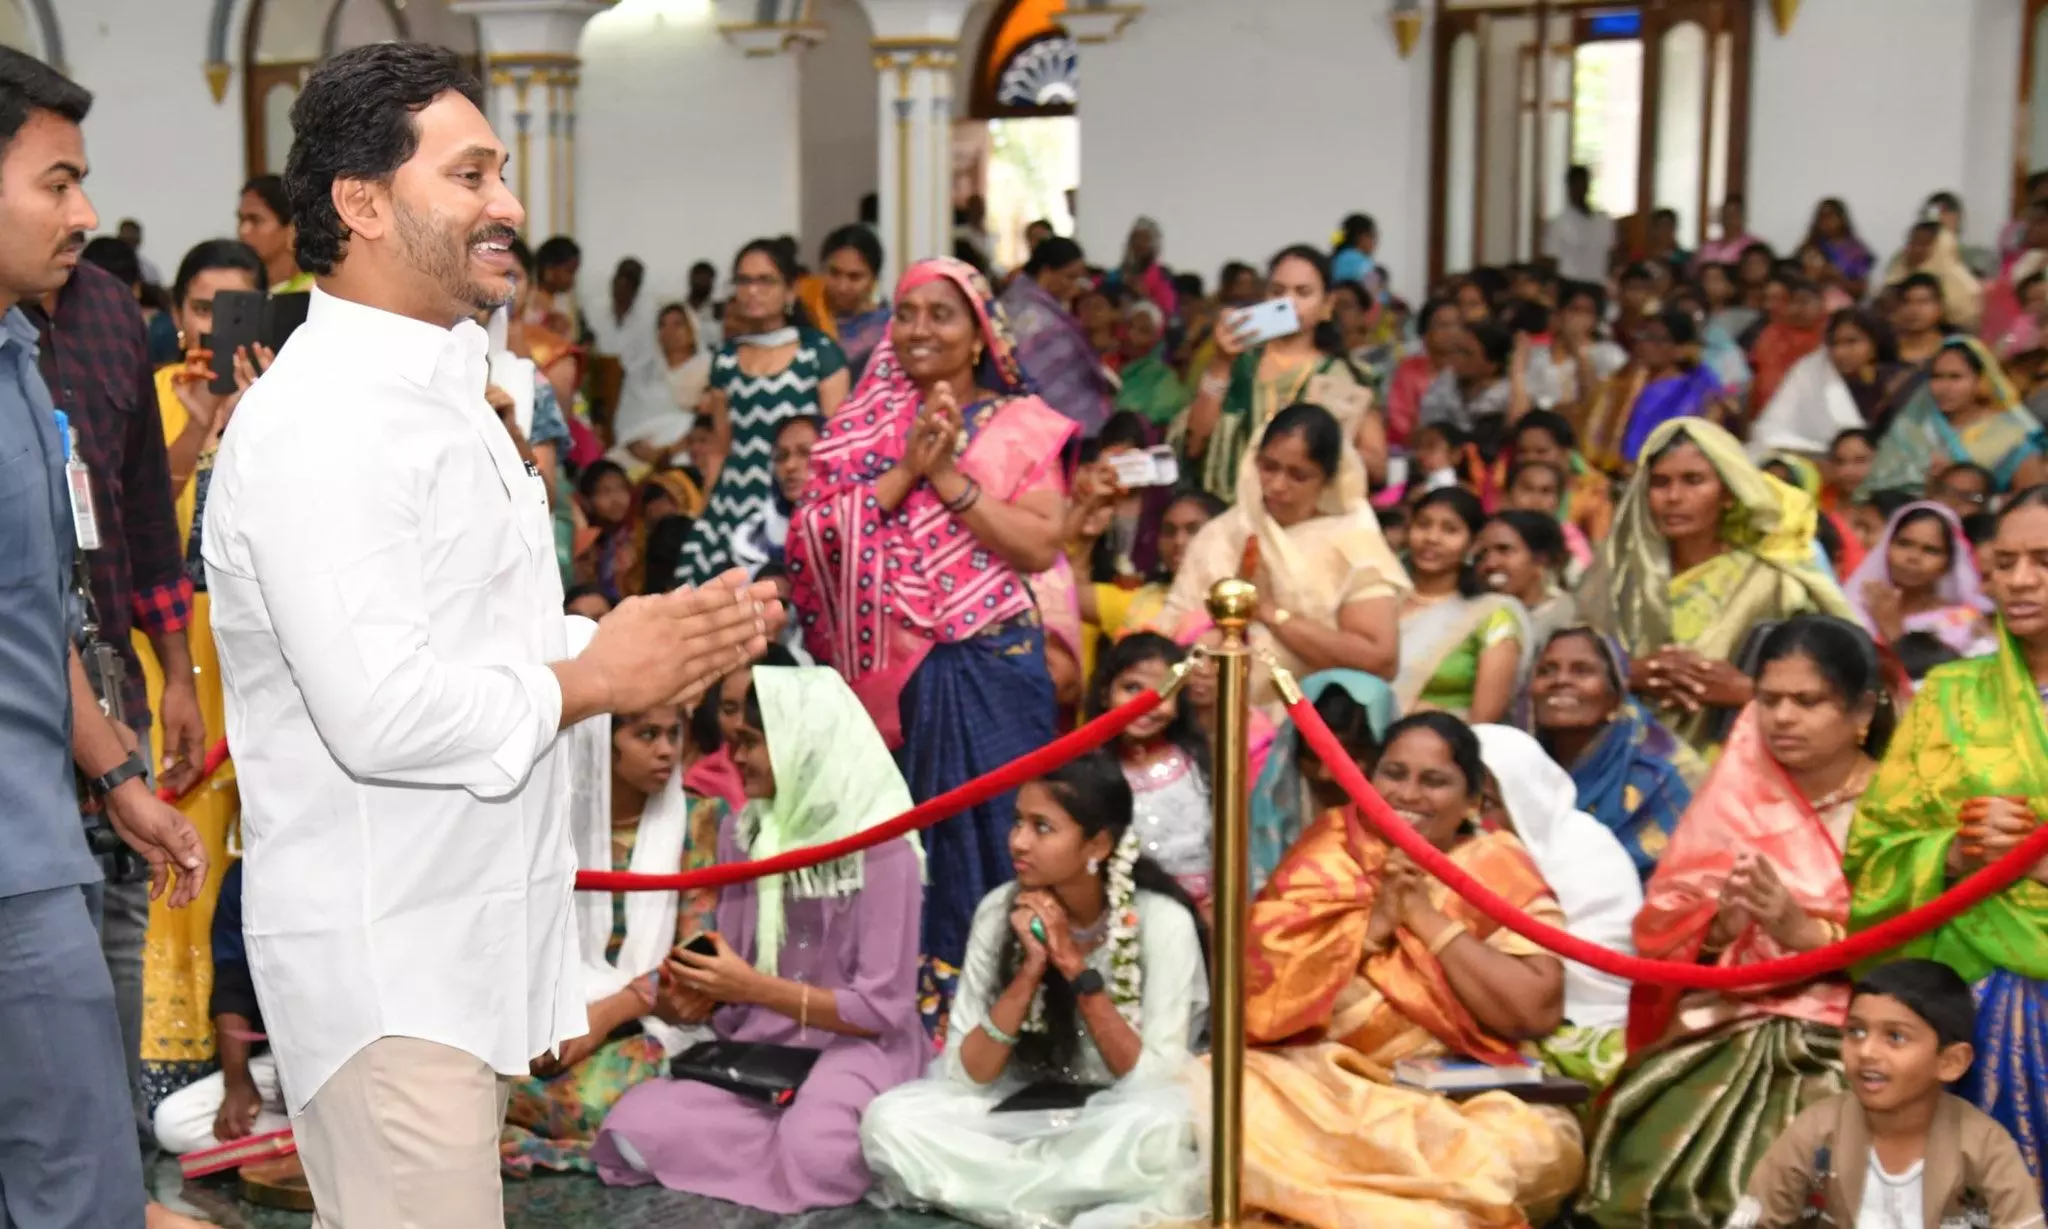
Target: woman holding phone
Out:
[1256,373]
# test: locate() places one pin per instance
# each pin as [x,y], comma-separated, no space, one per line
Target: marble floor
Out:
[551,1202]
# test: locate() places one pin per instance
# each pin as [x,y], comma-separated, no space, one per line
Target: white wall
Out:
[841,154]
[1244,127]
[686,149]
[161,149]
[1882,102]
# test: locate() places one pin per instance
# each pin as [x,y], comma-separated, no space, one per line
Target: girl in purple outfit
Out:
[824,958]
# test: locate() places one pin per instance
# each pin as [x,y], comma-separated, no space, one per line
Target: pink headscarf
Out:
[1960,588]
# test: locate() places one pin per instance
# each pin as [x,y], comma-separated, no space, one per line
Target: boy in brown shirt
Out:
[1897,1151]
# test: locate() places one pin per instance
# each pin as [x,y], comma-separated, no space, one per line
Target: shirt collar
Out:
[17,328]
[414,347]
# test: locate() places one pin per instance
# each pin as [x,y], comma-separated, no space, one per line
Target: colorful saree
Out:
[1713,1079]
[1778,349]
[1637,778]
[1920,432]
[1251,403]
[1330,1140]
[1630,406]
[1052,349]
[1281,800]
[1975,730]
[939,638]
[1767,573]
[1441,645]
[1152,390]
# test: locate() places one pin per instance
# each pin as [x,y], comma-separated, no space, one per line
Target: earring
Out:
[977,354]
[1094,865]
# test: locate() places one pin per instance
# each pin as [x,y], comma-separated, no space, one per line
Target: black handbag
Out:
[1047,1095]
[770,1074]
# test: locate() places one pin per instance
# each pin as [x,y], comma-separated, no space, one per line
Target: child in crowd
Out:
[1897,1149]
[1541,486]
[608,552]
[1165,757]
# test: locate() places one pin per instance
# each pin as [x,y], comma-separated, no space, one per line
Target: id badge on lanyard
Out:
[85,523]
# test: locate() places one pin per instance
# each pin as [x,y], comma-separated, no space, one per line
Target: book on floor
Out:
[1461,1074]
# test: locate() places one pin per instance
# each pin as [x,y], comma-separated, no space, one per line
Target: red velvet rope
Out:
[1805,966]
[980,790]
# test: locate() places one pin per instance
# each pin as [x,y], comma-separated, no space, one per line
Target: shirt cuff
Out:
[163,609]
[544,704]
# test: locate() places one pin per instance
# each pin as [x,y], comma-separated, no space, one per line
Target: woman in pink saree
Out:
[936,490]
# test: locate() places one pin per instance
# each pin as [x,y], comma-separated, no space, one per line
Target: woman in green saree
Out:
[1245,385]
[1966,780]
[1705,547]
[1149,386]
[1965,411]
[1462,646]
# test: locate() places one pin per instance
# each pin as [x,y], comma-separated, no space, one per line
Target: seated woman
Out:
[824,958]
[1946,802]
[1965,411]
[1166,759]
[1664,380]
[1522,554]
[1245,387]
[1840,387]
[1594,881]
[1753,873]
[1705,548]
[1473,392]
[631,814]
[1112,996]
[1358,960]
[1461,645]
[1631,773]
[1922,577]
[1294,786]
[1302,531]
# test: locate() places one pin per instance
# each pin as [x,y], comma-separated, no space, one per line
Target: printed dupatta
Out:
[875,590]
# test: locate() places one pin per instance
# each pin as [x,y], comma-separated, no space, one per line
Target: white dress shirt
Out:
[386,601]
[1580,243]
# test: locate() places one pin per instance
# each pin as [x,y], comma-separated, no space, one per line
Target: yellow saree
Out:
[1769,571]
[1330,1141]
[177,957]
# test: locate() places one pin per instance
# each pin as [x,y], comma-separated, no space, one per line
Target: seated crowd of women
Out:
[1652,683]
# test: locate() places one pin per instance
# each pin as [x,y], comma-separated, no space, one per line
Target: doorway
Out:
[1652,97]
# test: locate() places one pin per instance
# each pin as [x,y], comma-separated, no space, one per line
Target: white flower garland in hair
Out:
[1126,974]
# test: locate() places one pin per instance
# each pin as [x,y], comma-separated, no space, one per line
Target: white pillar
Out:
[916,45]
[531,69]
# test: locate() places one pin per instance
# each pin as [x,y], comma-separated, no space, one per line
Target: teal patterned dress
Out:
[758,405]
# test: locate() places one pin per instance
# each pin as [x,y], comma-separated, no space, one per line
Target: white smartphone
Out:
[1150,467]
[1267,321]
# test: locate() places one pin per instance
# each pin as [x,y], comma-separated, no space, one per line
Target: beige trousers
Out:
[405,1136]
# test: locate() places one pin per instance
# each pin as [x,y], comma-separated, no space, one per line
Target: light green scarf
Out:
[833,778]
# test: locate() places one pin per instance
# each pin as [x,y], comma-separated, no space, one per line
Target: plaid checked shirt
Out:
[95,358]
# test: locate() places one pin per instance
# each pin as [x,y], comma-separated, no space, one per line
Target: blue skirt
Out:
[970,708]
[2009,1080]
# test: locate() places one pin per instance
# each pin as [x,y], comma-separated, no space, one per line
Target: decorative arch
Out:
[1028,65]
[330,30]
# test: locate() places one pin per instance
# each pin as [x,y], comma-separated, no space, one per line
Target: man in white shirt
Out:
[388,611]
[1578,239]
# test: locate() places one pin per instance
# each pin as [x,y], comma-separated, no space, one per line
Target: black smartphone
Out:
[240,318]
[702,945]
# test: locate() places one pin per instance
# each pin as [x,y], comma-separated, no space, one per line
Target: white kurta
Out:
[386,603]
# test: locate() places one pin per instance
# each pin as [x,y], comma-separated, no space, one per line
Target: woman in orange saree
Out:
[1753,873]
[1359,959]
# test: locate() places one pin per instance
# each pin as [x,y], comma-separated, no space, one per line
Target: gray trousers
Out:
[124,928]
[68,1158]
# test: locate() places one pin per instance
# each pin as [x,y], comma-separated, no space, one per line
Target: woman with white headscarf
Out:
[1592,876]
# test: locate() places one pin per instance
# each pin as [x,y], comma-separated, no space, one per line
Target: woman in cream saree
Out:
[1681,589]
[1341,991]
[1328,584]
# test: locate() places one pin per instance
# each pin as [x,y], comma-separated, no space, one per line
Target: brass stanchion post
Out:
[1231,603]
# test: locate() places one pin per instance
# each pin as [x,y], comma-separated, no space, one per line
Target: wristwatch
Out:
[123,772]
[1089,982]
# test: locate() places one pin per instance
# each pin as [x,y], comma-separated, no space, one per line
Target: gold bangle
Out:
[1447,936]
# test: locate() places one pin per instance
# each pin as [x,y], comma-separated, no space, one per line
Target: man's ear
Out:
[364,207]
[1953,1062]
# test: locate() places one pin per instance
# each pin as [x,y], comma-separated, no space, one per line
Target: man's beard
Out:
[444,259]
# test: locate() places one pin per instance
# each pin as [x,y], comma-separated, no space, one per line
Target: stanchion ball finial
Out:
[1233,601]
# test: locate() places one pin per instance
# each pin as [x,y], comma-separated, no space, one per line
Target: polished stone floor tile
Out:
[553,1202]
